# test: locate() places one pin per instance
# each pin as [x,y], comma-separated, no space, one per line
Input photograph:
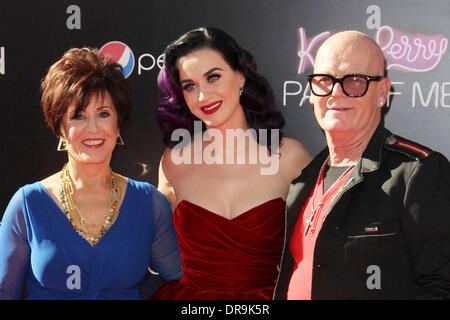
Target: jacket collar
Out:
[371,157]
[369,161]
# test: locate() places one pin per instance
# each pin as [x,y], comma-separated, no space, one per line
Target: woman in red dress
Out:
[226,170]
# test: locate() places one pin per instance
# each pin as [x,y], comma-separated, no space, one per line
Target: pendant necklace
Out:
[69,206]
[310,221]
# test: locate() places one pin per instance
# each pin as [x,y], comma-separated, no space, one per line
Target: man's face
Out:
[337,112]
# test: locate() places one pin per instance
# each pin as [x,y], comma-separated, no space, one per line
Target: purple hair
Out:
[257,98]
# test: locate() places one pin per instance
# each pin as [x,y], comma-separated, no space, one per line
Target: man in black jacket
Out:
[369,217]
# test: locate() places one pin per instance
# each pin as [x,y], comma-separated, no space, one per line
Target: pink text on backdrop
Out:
[410,52]
[305,48]
[402,50]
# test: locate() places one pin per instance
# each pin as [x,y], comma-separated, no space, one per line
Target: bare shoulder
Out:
[51,182]
[293,156]
[294,149]
[167,166]
[167,172]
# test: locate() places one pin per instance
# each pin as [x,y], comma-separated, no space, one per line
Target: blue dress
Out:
[40,248]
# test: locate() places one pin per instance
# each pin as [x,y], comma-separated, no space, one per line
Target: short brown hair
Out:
[74,78]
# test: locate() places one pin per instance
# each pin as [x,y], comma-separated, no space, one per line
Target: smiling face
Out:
[211,88]
[350,53]
[91,134]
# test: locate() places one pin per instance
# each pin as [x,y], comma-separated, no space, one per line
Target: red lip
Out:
[206,109]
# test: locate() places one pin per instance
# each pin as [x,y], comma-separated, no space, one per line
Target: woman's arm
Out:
[165,255]
[164,185]
[14,249]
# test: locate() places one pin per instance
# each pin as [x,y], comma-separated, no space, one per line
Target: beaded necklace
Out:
[66,197]
[310,221]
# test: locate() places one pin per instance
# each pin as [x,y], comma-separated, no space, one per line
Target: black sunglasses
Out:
[353,85]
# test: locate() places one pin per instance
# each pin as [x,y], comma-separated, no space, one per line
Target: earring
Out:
[120,141]
[381,102]
[241,89]
[62,145]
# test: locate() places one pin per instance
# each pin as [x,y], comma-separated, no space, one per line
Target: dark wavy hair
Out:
[257,98]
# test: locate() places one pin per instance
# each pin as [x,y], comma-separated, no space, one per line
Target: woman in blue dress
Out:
[85,232]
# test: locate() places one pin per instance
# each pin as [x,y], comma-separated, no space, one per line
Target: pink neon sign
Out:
[402,50]
[410,52]
[305,48]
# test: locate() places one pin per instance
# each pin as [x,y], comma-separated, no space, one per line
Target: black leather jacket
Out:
[398,188]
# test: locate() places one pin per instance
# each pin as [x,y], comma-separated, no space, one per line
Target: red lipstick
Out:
[212,107]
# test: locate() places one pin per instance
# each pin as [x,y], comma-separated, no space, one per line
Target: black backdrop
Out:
[33,35]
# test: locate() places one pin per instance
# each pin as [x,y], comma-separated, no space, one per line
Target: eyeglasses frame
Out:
[340,81]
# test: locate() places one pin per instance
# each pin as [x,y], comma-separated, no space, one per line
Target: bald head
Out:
[364,52]
[349,120]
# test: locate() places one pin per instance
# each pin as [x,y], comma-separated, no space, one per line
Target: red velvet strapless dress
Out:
[227,259]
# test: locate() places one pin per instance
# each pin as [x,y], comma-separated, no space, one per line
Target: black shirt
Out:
[331,175]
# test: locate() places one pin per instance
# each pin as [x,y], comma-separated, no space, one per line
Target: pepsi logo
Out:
[121,53]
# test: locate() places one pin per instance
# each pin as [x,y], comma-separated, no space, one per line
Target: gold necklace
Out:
[66,197]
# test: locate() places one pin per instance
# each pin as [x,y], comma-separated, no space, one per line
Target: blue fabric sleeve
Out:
[165,255]
[14,249]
